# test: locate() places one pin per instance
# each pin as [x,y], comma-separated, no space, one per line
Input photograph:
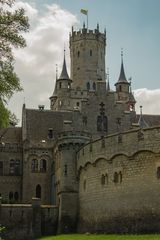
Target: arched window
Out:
[43,165]
[78,54]
[116,177]
[10,196]
[16,196]
[34,166]
[1,168]
[158,172]
[60,85]
[88,86]
[120,88]
[90,52]
[99,123]
[94,86]
[105,124]
[65,169]
[38,191]
[12,167]
[103,179]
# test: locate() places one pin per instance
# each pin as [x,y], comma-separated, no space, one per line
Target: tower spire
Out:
[122,76]
[64,74]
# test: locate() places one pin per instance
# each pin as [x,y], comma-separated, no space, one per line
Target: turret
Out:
[141,122]
[122,85]
[87,52]
[62,86]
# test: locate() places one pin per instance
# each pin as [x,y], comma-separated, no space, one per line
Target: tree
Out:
[12,24]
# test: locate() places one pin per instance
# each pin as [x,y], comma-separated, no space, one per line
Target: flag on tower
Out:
[84,11]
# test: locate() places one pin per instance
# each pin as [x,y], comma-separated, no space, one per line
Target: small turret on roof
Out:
[141,122]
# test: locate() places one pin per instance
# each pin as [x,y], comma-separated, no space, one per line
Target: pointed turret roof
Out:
[64,73]
[142,123]
[122,76]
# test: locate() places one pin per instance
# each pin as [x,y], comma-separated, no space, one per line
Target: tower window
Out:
[60,85]
[94,86]
[103,179]
[1,168]
[78,54]
[65,169]
[90,52]
[43,165]
[50,133]
[88,86]
[115,177]
[120,88]
[77,104]
[34,165]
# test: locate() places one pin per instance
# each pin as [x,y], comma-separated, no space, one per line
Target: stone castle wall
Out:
[28,221]
[119,183]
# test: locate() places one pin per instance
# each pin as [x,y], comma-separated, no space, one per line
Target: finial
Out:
[107,75]
[121,54]
[84,25]
[105,31]
[98,26]
[72,29]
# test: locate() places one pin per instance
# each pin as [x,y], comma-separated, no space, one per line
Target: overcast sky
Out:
[133,25]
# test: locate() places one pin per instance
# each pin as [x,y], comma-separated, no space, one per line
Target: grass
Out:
[102,237]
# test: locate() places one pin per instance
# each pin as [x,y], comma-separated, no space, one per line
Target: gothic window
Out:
[90,52]
[85,120]
[78,54]
[43,165]
[12,167]
[50,133]
[115,177]
[65,169]
[88,86]
[102,123]
[34,165]
[38,191]
[103,179]
[1,168]
[158,172]
[16,196]
[94,86]
[10,196]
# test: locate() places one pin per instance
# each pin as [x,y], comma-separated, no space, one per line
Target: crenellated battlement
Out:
[129,142]
[88,34]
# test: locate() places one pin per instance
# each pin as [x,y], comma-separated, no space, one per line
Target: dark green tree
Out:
[12,24]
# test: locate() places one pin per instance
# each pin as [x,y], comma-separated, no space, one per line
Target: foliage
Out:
[2,230]
[12,24]
[102,237]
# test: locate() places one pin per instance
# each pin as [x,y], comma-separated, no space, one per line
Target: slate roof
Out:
[11,135]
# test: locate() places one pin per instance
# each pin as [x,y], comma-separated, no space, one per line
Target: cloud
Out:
[149,99]
[35,64]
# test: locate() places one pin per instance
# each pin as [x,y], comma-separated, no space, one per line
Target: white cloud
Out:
[149,99]
[35,64]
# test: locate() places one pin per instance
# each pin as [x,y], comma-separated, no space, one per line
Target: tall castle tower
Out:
[87,53]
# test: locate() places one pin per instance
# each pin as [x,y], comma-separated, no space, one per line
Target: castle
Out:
[90,163]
